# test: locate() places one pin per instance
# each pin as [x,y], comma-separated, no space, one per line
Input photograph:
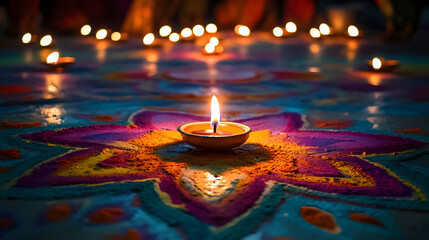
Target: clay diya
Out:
[214,135]
[55,62]
[381,65]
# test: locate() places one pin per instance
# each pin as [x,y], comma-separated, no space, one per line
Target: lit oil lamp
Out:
[186,34]
[174,37]
[85,30]
[353,31]
[164,31]
[28,38]
[381,65]
[314,33]
[149,41]
[278,32]
[46,41]
[242,30]
[57,63]
[101,34]
[290,27]
[198,30]
[324,29]
[212,49]
[211,28]
[119,37]
[214,135]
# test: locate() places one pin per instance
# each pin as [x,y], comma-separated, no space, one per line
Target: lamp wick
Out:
[214,127]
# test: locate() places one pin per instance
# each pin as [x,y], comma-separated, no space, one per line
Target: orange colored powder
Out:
[132,234]
[320,219]
[103,118]
[7,124]
[13,89]
[5,223]
[58,213]
[412,131]
[9,154]
[107,215]
[363,218]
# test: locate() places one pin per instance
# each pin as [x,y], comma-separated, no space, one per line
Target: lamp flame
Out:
[198,30]
[53,58]
[46,40]
[116,36]
[85,30]
[211,28]
[164,31]
[278,31]
[242,30]
[215,116]
[214,41]
[186,32]
[174,37]
[290,27]
[314,32]
[353,31]
[26,38]
[101,34]
[324,29]
[376,63]
[148,39]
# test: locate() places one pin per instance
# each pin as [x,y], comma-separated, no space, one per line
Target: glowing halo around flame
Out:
[215,113]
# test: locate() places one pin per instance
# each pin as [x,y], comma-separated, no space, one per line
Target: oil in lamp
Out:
[381,65]
[214,135]
[57,63]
